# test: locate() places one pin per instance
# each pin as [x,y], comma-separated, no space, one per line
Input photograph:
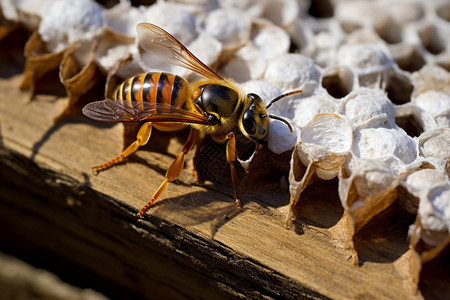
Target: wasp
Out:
[167,102]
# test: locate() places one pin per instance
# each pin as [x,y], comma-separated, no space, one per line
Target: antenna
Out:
[278,98]
[282,96]
[282,120]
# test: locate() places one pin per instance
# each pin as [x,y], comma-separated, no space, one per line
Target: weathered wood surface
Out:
[192,244]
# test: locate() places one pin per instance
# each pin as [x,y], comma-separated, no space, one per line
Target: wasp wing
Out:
[114,111]
[161,43]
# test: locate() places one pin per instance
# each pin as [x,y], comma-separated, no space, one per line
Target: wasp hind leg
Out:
[231,158]
[173,172]
[142,138]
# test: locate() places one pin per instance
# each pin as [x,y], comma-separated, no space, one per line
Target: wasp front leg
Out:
[231,158]
[142,138]
[173,172]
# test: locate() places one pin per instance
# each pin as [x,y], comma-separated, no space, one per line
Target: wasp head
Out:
[254,123]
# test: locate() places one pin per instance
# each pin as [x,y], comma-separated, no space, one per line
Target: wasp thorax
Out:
[255,121]
[218,100]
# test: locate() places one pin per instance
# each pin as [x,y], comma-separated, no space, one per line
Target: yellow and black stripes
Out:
[162,88]
[150,84]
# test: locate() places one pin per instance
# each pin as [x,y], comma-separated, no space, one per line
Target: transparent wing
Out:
[114,111]
[161,43]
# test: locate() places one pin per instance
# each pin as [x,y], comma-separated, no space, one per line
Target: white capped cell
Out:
[68,22]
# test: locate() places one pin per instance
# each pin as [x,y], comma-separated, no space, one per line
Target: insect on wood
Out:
[167,102]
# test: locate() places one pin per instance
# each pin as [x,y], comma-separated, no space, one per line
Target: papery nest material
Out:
[368,108]
[39,62]
[324,144]
[434,145]
[64,41]
[366,188]
[77,66]
[267,42]
[430,234]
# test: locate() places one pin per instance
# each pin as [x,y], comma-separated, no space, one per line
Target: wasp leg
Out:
[231,158]
[173,172]
[142,138]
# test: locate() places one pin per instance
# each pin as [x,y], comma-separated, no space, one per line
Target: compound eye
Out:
[249,121]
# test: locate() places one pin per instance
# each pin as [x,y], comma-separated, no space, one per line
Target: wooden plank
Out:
[192,244]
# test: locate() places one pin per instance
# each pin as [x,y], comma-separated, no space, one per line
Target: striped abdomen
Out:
[154,88]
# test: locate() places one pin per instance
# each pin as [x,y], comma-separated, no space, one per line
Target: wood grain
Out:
[193,244]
